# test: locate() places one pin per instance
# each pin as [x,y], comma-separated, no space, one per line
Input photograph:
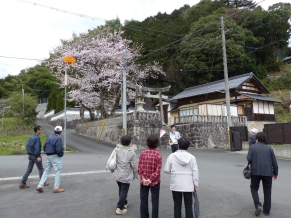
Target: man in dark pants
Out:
[33,148]
[263,167]
[184,178]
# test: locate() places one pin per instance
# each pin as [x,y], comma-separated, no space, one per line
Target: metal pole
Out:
[161,107]
[227,98]
[23,100]
[124,98]
[65,110]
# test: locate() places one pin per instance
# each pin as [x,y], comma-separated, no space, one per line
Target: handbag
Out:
[247,172]
[111,162]
[171,142]
[196,205]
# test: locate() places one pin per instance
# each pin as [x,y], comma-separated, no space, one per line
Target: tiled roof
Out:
[233,83]
[287,58]
[258,97]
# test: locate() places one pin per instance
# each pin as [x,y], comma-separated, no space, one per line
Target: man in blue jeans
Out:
[54,151]
[33,148]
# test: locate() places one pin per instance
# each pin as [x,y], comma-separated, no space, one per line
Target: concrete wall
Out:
[281,151]
[259,125]
[108,130]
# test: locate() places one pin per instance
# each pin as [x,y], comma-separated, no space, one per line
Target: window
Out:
[189,111]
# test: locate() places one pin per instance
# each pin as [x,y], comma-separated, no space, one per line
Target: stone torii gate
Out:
[139,95]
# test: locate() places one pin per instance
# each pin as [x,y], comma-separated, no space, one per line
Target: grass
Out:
[282,111]
[14,136]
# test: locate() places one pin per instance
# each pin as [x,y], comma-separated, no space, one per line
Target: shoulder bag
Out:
[111,162]
[247,172]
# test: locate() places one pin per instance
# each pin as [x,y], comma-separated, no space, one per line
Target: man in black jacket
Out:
[54,151]
[263,167]
[33,148]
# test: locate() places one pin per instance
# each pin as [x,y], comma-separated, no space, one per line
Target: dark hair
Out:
[173,126]
[261,137]
[183,143]
[36,128]
[152,141]
[58,132]
[125,140]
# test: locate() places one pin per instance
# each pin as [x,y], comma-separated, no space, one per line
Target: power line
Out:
[259,48]
[21,58]
[64,11]
[88,16]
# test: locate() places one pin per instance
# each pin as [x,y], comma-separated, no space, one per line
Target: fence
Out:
[278,133]
[143,116]
[209,118]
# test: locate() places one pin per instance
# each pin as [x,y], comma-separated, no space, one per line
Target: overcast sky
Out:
[31,31]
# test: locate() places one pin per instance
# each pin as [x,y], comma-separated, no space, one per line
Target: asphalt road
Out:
[91,192]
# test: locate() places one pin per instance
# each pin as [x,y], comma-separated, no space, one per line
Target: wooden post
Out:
[161,107]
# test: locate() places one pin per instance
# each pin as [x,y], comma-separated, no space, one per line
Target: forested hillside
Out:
[187,45]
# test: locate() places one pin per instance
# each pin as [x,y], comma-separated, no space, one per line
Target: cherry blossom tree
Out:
[96,77]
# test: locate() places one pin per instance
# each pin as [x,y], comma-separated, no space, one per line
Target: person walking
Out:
[54,151]
[125,172]
[149,170]
[252,139]
[33,148]
[174,136]
[263,167]
[184,177]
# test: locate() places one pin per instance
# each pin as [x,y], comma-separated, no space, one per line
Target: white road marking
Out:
[63,174]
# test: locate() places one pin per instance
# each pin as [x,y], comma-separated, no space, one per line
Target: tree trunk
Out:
[91,112]
[102,109]
[117,100]
[82,113]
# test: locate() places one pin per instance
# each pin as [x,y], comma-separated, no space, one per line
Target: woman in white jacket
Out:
[184,177]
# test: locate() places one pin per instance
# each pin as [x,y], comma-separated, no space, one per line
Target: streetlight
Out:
[69,60]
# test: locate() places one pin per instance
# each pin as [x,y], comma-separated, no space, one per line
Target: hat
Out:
[58,128]
[254,130]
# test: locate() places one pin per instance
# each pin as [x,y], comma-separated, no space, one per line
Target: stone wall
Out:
[110,130]
[205,134]
[141,129]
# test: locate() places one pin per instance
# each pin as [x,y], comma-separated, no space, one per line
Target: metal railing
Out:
[143,116]
[209,118]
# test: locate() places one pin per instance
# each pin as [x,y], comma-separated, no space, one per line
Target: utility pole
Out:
[23,100]
[227,98]
[124,95]
[65,110]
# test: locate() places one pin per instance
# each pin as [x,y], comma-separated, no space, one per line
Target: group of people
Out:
[181,165]
[54,150]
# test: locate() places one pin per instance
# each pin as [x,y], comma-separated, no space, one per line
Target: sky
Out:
[31,31]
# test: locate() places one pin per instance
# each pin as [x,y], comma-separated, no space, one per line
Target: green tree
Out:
[239,3]
[40,81]
[202,9]
[22,106]
[201,51]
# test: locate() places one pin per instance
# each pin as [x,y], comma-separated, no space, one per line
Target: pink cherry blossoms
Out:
[95,79]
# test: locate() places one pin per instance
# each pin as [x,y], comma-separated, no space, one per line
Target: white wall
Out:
[233,110]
